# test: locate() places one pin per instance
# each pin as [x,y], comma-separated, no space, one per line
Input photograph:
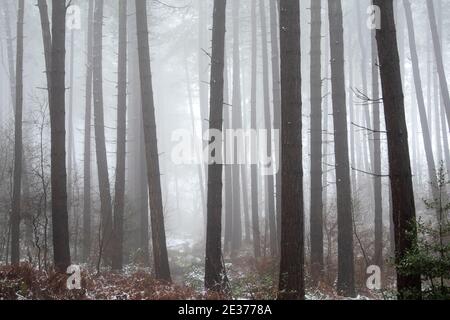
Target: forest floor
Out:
[249,280]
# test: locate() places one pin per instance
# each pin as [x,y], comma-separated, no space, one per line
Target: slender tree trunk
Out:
[236,239]
[228,175]
[445,140]
[377,185]
[346,282]
[365,90]
[399,163]
[291,282]
[70,138]
[439,59]
[143,196]
[10,53]
[119,197]
[161,261]
[203,92]
[316,220]
[274,40]
[60,219]
[325,141]
[355,155]
[426,132]
[245,201]
[270,192]
[254,167]
[215,277]
[18,148]
[99,127]
[46,38]
[87,140]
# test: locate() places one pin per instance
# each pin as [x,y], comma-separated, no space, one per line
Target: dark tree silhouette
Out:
[345,282]
[160,257]
[404,212]
[87,139]
[18,148]
[316,221]
[215,278]
[60,219]
[291,282]
[119,197]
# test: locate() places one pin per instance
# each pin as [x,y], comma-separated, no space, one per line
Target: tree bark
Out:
[363,66]
[316,205]
[100,144]
[398,151]
[228,174]
[119,197]
[270,186]
[439,60]
[10,54]
[236,239]
[203,76]
[276,89]
[426,132]
[377,185]
[60,219]
[87,139]
[160,256]
[70,134]
[291,281]
[18,148]
[254,167]
[215,277]
[345,282]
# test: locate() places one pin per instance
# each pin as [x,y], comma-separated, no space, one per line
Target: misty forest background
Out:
[91,92]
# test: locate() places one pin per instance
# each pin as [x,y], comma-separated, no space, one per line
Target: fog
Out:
[180,35]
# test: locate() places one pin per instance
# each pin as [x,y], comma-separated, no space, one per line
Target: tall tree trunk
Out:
[203,93]
[397,135]
[363,66]
[18,148]
[274,41]
[254,167]
[161,261]
[270,192]
[291,282]
[236,239]
[70,138]
[439,59]
[426,133]
[100,144]
[245,201]
[215,277]
[316,220]
[87,140]
[228,174]
[60,219]
[326,115]
[346,282]
[46,38]
[355,156]
[10,53]
[377,185]
[119,197]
